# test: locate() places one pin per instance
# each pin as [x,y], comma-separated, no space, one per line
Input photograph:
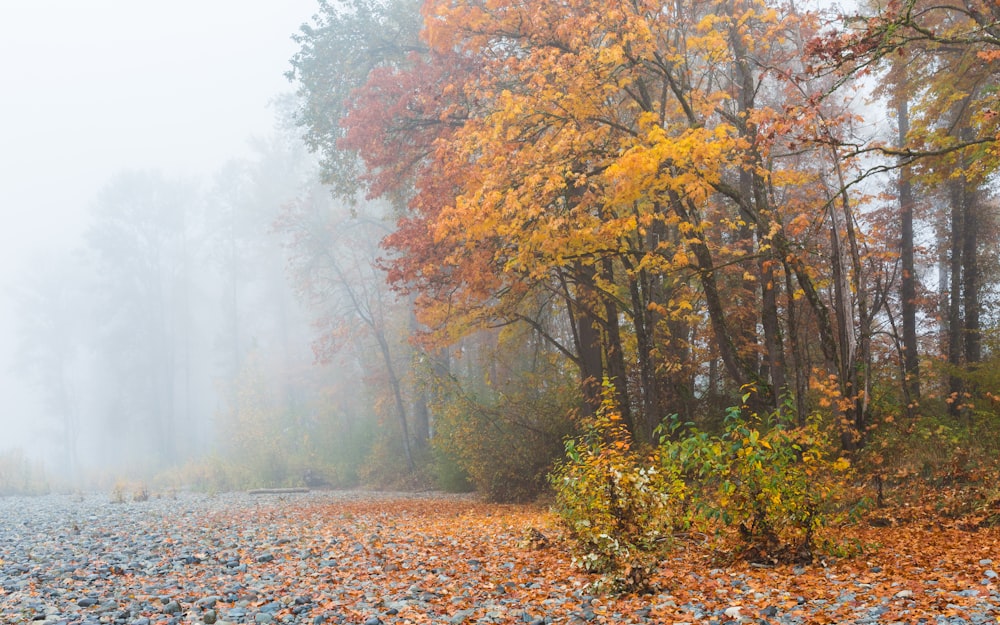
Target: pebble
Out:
[172,607]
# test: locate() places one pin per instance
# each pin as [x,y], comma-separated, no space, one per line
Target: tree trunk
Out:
[908,282]
[957,201]
[397,394]
[972,332]
[587,341]
[614,356]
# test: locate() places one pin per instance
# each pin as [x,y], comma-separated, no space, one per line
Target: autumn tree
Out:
[661,194]
[342,45]
[642,157]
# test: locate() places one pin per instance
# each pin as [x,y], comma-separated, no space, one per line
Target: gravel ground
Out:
[184,559]
[371,559]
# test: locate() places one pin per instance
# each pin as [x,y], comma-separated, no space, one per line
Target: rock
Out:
[374,621]
[87,602]
[904,594]
[271,607]
[263,617]
[236,614]
[459,617]
[172,607]
[209,617]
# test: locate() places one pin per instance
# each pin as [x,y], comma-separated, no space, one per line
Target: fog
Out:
[144,272]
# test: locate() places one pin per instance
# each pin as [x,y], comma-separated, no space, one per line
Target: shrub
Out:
[449,475]
[617,503]
[505,443]
[774,481]
[506,450]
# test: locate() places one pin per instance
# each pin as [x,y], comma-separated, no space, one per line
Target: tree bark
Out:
[908,282]
[957,199]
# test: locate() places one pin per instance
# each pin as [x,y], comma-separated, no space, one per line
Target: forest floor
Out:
[367,558]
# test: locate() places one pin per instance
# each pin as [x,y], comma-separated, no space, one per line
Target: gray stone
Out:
[172,607]
[459,617]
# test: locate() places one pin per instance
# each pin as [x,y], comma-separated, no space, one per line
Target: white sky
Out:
[91,87]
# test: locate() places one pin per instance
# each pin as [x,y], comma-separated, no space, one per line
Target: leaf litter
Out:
[368,558]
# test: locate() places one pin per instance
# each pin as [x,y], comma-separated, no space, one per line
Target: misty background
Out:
[151,183]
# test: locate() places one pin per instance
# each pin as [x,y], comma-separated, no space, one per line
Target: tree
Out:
[333,264]
[141,247]
[51,307]
[343,45]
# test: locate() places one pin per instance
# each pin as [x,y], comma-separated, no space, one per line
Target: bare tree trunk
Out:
[397,394]
[957,199]
[972,332]
[908,282]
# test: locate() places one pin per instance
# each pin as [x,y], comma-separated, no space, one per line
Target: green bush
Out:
[775,482]
[618,504]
